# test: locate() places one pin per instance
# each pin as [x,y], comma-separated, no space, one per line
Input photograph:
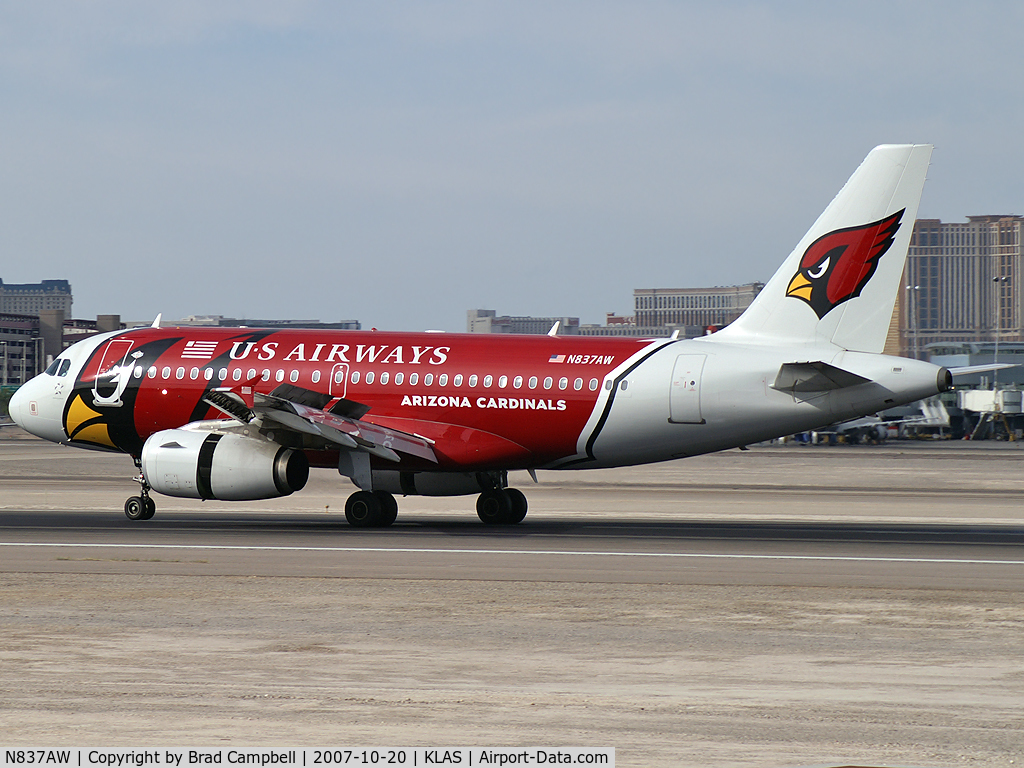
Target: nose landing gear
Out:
[140,507]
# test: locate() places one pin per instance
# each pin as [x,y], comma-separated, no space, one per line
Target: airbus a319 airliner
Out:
[242,414]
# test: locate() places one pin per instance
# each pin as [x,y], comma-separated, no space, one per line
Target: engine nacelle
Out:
[206,465]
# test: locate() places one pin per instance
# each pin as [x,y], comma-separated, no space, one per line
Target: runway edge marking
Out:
[566,552]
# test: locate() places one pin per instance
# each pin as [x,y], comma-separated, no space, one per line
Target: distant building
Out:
[488,321]
[28,343]
[219,321]
[642,331]
[33,298]
[659,313]
[692,307]
[963,283]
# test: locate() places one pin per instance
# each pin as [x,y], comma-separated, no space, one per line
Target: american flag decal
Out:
[199,350]
[556,359]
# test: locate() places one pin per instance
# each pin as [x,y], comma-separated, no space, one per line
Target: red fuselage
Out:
[485,401]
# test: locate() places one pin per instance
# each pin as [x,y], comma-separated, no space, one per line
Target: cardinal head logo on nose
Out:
[836,266]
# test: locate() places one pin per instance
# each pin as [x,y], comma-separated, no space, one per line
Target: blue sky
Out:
[400,163]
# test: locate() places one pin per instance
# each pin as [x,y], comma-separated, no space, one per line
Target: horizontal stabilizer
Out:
[964,370]
[814,377]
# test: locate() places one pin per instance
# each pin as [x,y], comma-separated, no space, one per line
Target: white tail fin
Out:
[839,285]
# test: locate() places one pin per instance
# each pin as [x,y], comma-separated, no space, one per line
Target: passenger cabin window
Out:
[472,380]
[385,377]
[399,378]
[533,382]
[208,373]
[442,380]
[503,382]
[593,385]
[223,374]
[414,379]
[577,384]
[166,373]
[293,376]
[152,372]
[354,378]
[316,377]
[548,382]
[369,377]
[180,373]
[457,381]
[563,383]
[488,380]
[517,382]
[237,374]
[428,379]
[266,374]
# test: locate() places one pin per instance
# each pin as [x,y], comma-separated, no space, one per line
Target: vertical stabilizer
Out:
[839,284]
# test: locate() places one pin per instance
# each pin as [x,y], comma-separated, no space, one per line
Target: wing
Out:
[314,419]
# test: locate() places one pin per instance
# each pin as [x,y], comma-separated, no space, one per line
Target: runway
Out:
[694,552]
[779,606]
[899,530]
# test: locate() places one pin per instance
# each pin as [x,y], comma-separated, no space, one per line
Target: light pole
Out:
[999,325]
[912,318]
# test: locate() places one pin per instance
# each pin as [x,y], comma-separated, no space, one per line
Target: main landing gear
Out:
[502,506]
[379,509]
[140,507]
[371,509]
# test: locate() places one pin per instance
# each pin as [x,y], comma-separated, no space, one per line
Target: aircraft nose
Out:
[18,407]
[36,408]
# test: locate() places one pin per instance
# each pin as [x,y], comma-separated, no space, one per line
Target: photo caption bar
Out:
[294,757]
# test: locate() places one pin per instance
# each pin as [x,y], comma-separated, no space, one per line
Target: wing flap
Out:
[299,410]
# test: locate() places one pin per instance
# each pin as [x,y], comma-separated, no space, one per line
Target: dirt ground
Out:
[668,675]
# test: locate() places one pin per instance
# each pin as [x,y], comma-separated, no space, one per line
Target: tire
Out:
[519,505]
[135,508]
[363,510]
[150,509]
[494,507]
[388,508]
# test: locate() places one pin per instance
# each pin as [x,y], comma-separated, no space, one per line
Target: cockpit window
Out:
[59,367]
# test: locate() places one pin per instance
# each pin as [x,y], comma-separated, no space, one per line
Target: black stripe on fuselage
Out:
[608,408]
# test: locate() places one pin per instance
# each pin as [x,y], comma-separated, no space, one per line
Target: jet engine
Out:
[205,465]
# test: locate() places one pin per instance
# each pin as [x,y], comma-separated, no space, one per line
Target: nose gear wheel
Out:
[140,507]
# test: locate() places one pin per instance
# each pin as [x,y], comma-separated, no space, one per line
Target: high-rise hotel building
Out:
[963,283]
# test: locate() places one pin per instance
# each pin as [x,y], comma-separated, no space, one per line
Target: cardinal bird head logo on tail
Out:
[836,266]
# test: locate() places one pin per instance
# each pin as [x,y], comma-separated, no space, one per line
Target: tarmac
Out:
[782,606]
